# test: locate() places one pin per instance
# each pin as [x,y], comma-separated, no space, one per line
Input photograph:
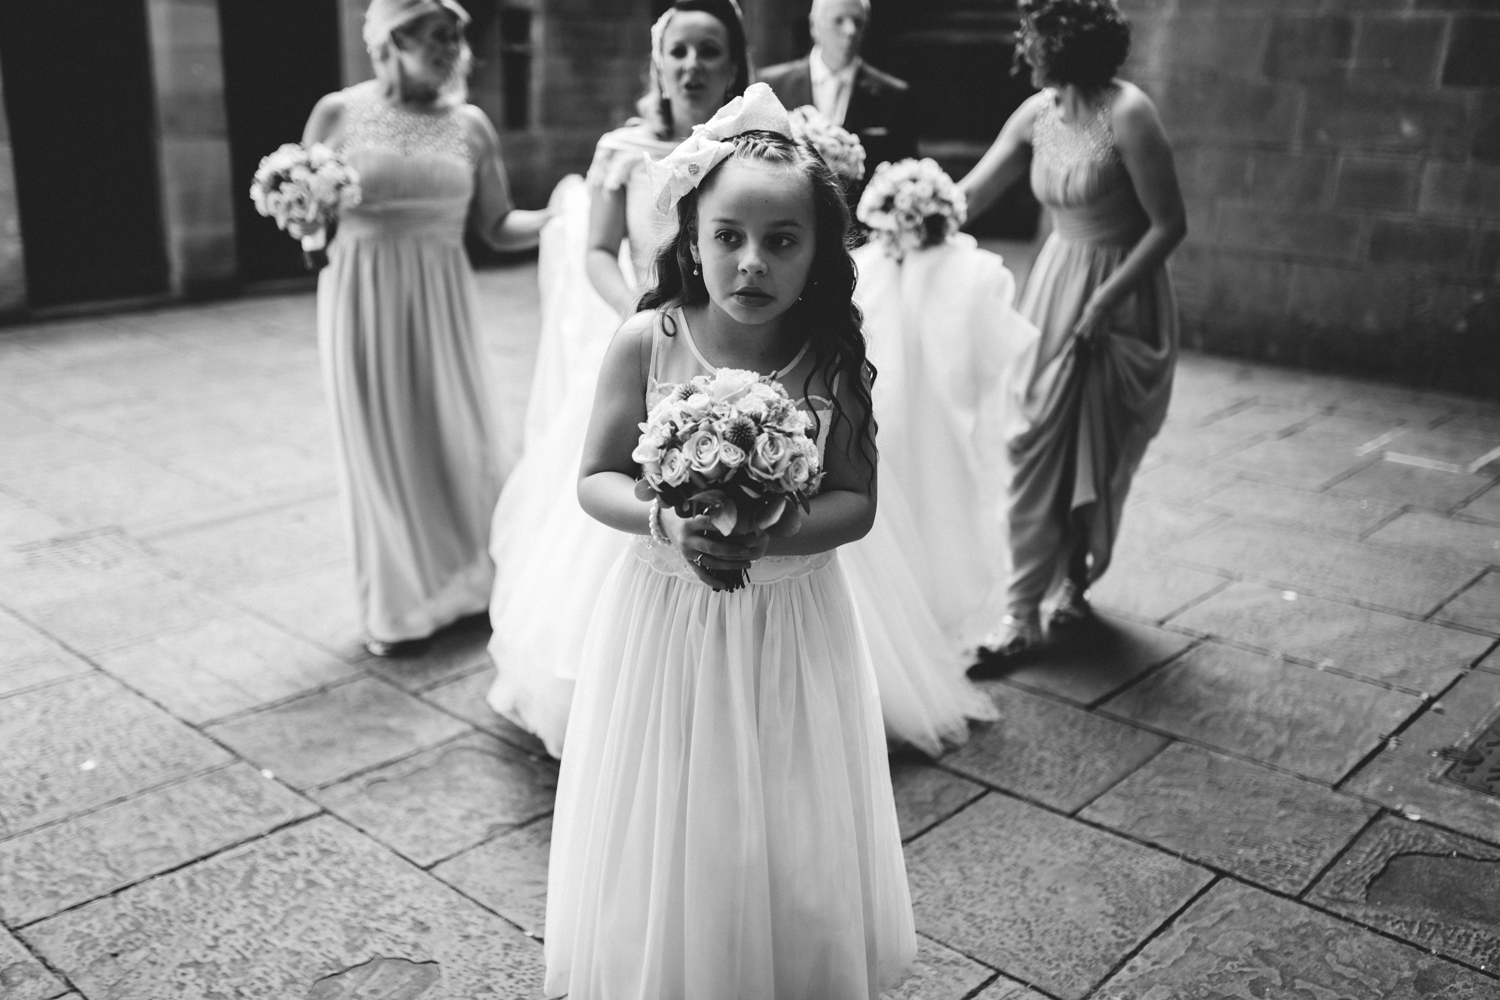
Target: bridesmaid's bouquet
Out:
[911,204]
[840,149]
[732,445]
[305,188]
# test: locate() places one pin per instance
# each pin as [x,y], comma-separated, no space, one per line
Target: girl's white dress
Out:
[946,340]
[550,557]
[725,825]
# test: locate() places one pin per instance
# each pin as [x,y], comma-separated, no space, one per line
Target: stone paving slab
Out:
[1309,721]
[1049,752]
[21,523]
[455,652]
[80,743]
[237,662]
[927,795]
[319,606]
[1436,889]
[1008,989]
[1238,941]
[1407,775]
[124,490]
[1452,442]
[1322,512]
[1150,525]
[22,977]
[84,857]
[323,737]
[267,920]
[1152,589]
[1414,486]
[1329,567]
[249,550]
[464,698]
[1416,656]
[74,567]
[1485,507]
[1043,899]
[1312,458]
[940,973]
[447,799]
[1091,660]
[256,468]
[28,658]
[109,619]
[507,875]
[1476,608]
[1182,483]
[1259,825]
[1466,540]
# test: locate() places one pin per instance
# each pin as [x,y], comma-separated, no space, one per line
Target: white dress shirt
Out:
[831,90]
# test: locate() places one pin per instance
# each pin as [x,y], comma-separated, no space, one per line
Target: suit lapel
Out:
[799,86]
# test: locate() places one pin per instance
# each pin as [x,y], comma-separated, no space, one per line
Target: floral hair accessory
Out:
[684,168]
[385,16]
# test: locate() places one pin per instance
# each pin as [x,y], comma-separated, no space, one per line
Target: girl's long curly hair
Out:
[1080,42]
[826,313]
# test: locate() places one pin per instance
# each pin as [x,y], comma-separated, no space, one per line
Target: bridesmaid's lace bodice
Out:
[1077,172]
[376,124]
[416,170]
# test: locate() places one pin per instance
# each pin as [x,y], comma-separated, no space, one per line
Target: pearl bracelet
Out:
[653,521]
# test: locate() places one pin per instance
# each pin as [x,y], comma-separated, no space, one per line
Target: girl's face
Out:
[429,48]
[757,228]
[697,68]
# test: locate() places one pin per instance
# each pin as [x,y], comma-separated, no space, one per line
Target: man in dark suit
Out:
[875,106]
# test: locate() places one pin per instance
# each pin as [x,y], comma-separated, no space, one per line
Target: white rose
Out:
[646,451]
[731,455]
[798,472]
[674,467]
[702,451]
[770,457]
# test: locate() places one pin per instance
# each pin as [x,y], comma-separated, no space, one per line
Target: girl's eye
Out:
[726,236]
[782,240]
[678,51]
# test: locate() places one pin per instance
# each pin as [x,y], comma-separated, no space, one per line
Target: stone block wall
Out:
[1341,165]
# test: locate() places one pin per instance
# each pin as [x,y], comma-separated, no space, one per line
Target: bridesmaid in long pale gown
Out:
[550,557]
[1094,391]
[396,323]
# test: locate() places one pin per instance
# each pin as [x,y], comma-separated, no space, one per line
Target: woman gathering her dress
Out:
[1093,390]
[550,557]
[396,317]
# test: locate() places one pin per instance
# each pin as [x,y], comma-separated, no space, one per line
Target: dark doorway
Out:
[79,95]
[957,56]
[280,56]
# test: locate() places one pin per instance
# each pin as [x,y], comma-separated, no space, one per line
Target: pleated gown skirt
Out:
[725,825]
[413,431]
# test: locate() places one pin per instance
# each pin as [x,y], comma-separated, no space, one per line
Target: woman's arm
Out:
[326,120]
[493,215]
[607,475]
[844,508]
[1003,163]
[602,261]
[1148,159]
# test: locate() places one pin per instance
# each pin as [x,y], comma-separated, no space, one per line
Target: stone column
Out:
[12,261]
[193,152]
[356,60]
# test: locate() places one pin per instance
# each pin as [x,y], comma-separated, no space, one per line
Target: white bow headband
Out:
[684,168]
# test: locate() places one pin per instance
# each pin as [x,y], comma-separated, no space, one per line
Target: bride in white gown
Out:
[550,557]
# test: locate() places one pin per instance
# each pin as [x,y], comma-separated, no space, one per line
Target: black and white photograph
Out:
[750,499]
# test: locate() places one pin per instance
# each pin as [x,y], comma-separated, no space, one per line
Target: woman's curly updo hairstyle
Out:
[825,314]
[1077,42]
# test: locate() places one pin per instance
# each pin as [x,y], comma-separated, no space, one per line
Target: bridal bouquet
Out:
[304,189]
[840,149]
[731,445]
[911,204]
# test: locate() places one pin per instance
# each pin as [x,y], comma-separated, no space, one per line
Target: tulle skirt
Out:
[725,825]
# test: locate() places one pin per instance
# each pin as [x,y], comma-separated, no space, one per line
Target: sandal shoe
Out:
[1072,606]
[1014,637]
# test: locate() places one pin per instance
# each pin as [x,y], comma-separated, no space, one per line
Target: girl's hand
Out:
[705,549]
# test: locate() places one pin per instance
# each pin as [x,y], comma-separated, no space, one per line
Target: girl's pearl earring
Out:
[695,268]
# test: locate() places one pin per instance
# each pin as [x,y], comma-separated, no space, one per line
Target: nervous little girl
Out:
[725,825]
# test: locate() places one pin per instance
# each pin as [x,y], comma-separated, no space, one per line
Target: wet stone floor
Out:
[1271,769]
